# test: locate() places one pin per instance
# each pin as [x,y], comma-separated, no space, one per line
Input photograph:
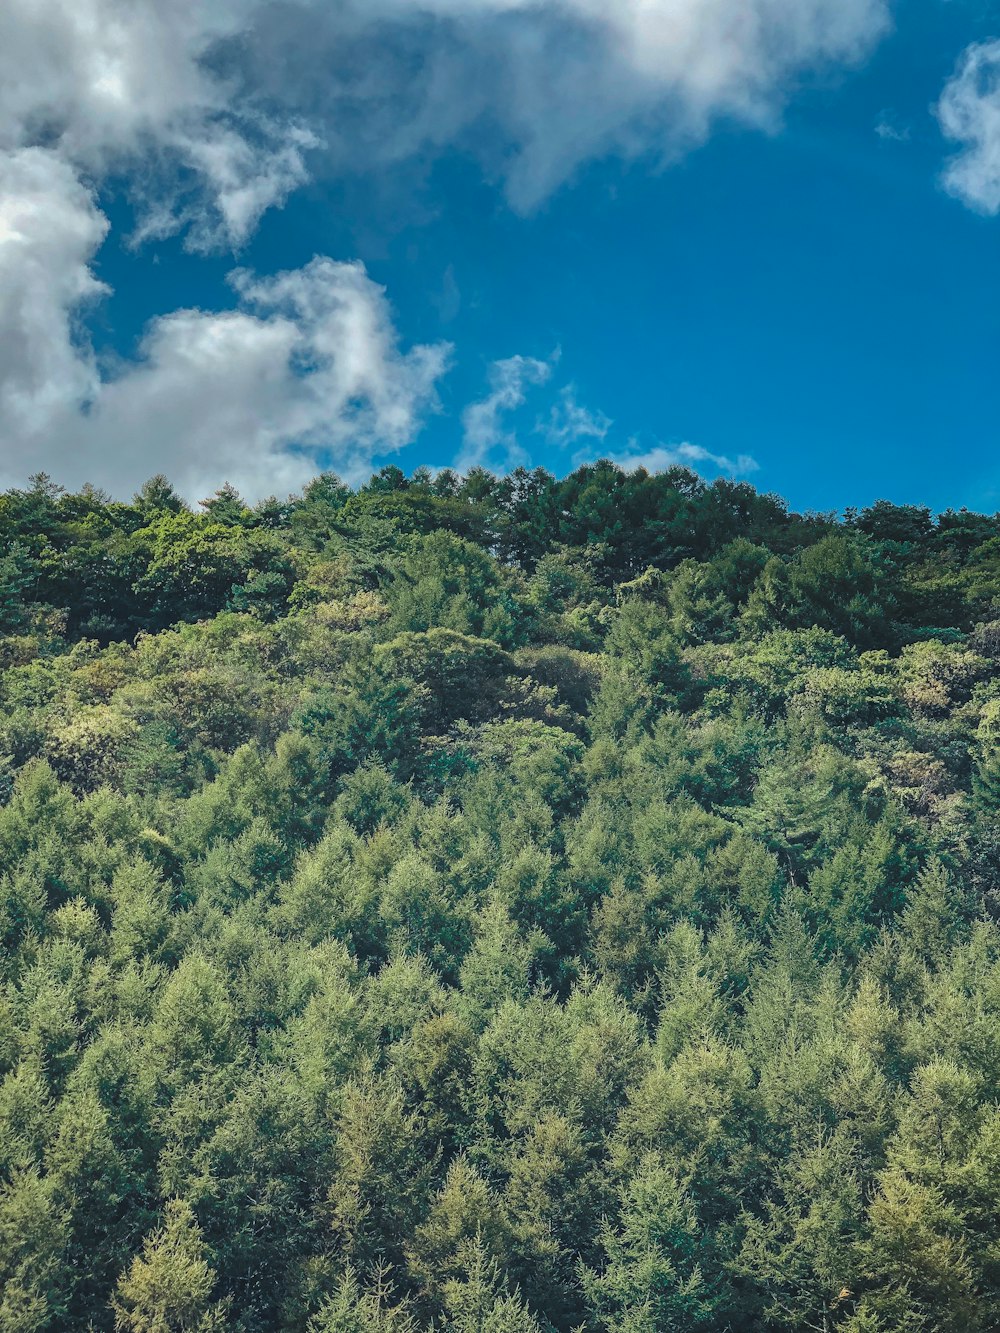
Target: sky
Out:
[245,241]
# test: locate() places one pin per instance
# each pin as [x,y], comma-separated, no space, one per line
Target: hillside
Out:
[498,905]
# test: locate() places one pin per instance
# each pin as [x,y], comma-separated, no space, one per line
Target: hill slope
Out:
[498,905]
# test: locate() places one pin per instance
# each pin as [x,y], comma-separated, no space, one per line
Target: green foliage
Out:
[497,905]
[449,583]
[654,1279]
[168,1287]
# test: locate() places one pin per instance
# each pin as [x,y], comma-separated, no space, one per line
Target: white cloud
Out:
[486,439]
[308,365]
[49,228]
[569,421]
[662,457]
[134,88]
[538,87]
[233,95]
[969,113]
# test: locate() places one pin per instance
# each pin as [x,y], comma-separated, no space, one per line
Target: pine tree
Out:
[653,1280]
[986,784]
[356,1309]
[168,1288]
[479,1301]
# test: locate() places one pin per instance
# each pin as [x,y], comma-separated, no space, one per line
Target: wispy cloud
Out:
[888,129]
[661,457]
[969,114]
[486,436]
[569,420]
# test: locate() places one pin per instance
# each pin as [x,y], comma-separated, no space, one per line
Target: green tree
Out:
[652,1278]
[168,1288]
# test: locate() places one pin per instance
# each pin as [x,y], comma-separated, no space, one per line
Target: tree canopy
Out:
[498,905]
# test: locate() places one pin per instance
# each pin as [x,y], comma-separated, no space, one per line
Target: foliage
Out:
[497,905]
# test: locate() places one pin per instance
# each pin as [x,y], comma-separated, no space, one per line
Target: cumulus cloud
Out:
[49,229]
[141,89]
[486,437]
[662,457]
[238,91]
[969,113]
[307,367]
[231,97]
[233,94]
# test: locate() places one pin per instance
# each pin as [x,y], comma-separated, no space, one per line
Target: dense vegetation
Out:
[498,906]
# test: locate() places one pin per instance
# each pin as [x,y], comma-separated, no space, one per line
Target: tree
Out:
[445,582]
[381,1176]
[35,1278]
[477,1302]
[802,1254]
[356,1309]
[461,676]
[157,495]
[652,1280]
[18,574]
[168,1288]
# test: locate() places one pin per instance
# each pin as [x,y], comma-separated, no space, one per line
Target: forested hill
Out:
[498,906]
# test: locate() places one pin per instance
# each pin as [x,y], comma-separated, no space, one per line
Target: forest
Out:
[498,905]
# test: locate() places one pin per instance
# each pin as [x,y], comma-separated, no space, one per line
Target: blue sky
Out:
[763,270]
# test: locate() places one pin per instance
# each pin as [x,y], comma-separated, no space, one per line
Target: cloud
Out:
[49,228]
[569,421]
[489,441]
[887,129]
[213,112]
[486,440]
[661,458]
[969,113]
[149,93]
[306,367]
[142,90]
[536,88]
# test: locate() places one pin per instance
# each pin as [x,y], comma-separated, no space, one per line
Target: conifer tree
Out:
[168,1288]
